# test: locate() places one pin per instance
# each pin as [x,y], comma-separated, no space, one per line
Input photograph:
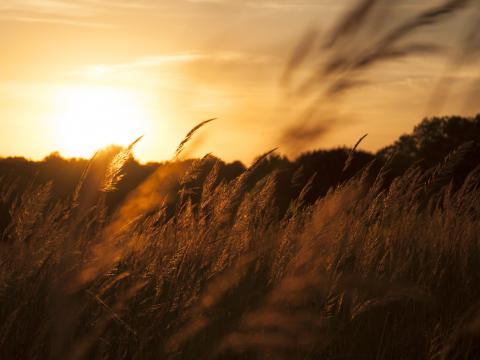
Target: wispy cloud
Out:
[59,21]
[45,7]
[126,4]
[87,12]
[143,62]
[273,4]
[153,61]
[65,12]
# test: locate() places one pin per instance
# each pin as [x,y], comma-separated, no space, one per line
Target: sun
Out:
[91,117]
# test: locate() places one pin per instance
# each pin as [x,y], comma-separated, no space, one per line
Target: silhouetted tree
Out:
[428,145]
[433,139]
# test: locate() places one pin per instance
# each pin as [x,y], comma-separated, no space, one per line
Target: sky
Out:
[76,75]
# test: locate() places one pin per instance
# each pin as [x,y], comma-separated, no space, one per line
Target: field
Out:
[192,264]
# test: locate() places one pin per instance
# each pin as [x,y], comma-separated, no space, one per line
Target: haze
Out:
[78,75]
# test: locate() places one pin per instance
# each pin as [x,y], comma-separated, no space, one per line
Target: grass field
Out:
[371,270]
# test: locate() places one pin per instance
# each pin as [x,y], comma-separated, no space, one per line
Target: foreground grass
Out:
[371,270]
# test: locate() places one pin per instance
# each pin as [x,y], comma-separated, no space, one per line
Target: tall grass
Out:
[326,67]
[368,271]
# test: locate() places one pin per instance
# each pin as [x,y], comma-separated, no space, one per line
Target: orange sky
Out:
[75,75]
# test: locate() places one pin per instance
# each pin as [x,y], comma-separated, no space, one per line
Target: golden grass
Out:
[367,270]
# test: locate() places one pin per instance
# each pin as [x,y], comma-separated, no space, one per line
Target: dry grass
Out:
[365,272]
[327,67]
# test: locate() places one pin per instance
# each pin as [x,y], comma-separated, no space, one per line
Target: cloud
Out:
[126,4]
[65,12]
[47,7]
[153,61]
[87,12]
[52,20]
[273,4]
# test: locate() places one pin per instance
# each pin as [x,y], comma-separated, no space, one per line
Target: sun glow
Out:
[92,117]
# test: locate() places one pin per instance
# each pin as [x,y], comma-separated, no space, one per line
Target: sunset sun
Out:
[89,118]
